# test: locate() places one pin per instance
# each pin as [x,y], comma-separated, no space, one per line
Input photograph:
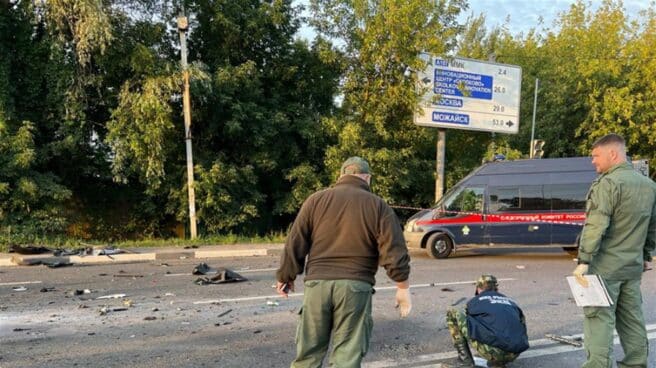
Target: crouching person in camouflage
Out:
[492,324]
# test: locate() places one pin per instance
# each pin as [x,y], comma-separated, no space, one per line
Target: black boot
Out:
[464,355]
[496,365]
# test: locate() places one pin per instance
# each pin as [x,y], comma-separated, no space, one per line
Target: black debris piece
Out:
[47,289]
[72,252]
[203,269]
[107,251]
[224,313]
[224,276]
[128,275]
[57,264]
[458,301]
[21,329]
[447,289]
[30,249]
[104,310]
[150,318]
[190,247]
[50,262]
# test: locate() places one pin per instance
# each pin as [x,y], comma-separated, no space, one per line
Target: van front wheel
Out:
[573,251]
[439,245]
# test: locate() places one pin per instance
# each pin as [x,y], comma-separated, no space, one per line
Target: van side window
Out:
[468,199]
[519,198]
[568,196]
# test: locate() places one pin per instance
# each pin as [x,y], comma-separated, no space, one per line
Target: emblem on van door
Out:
[465,230]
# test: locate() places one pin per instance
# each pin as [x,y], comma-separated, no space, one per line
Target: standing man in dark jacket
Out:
[339,238]
[492,323]
[616,243]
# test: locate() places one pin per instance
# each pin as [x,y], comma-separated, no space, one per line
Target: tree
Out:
[381,40]
[256,98]
[30,201]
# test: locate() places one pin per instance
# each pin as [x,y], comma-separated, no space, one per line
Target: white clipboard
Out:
[595,295]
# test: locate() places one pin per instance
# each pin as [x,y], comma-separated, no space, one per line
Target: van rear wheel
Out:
[439,246]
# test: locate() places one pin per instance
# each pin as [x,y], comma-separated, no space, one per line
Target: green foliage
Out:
[30,202]
[141,128]
[91,129]
[226,195]
[382,39]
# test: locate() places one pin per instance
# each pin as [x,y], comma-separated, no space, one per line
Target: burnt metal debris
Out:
[222,275]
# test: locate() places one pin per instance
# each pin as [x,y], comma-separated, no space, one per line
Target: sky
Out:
[523,14]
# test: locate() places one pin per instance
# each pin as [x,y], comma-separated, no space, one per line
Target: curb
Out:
[165,254]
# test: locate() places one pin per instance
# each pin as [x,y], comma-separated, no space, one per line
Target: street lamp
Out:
[183,26]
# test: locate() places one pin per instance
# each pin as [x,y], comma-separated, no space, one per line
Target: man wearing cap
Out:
[492,323]
[616,243]
[339,238]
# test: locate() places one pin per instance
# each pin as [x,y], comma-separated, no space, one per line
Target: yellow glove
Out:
[403,301]
[579,271]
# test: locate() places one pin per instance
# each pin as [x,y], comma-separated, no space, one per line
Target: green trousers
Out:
[625,315]
[341,308]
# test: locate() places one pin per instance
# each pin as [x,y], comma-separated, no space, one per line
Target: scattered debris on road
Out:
[577,341]
[520,267]
[223,275]
[458,301]
[272,303]
[203,269]
[224,313]
[112,296]
[51,262]
[134,276]
[19,288]
[104,310]
[47,289]
[30,249]
[447,289]
[150,318]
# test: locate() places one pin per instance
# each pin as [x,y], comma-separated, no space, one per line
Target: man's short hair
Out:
[487,282]
[354,165]
[609,139]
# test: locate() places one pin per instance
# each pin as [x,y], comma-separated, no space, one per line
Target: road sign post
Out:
[467,94]
[470,94]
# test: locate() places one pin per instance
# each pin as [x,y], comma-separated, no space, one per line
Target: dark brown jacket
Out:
[346,232]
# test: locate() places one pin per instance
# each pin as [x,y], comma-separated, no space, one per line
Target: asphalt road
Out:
[169,321]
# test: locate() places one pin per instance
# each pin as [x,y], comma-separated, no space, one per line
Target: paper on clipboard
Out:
[595,295]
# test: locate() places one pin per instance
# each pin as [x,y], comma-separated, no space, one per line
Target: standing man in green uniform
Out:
[345,232]
[618,237]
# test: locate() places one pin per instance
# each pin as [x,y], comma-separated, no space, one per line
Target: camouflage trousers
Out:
[456,320]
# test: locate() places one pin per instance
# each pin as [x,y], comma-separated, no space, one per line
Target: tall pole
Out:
[535,104]
[183,25]
[439,164]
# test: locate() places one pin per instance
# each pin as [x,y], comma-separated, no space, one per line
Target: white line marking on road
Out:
[433,284]
[20,283]
[301,294]
[533,352]
[238,271]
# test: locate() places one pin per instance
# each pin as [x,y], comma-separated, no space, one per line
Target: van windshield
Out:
[465,200]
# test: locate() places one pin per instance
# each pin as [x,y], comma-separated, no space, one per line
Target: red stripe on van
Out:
[506,218]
